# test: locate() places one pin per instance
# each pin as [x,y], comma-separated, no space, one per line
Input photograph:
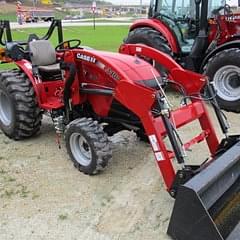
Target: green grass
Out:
[102,38]
[11,16]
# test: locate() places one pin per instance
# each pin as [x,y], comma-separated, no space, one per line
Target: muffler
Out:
[207,207]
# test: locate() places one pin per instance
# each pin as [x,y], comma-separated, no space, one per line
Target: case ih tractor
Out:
[203,36]
[92,94]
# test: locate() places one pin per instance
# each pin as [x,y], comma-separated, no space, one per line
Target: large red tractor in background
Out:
[203,36]
[92,94]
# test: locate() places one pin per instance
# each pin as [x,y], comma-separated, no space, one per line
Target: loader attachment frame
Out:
[207,196]
[196,110]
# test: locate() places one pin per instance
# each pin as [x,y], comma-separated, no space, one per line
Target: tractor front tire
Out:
[20,116]
[223,70]
[151,38]
[87,145]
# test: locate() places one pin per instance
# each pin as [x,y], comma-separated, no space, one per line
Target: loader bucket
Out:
[207,207]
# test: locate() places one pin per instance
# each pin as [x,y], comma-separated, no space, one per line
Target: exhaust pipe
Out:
[207,207]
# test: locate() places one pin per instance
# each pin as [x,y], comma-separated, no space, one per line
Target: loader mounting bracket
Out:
[182,176]
[227,143]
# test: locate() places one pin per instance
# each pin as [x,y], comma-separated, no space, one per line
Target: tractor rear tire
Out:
[20,116]
[151,38]
[87,145]
[223,69]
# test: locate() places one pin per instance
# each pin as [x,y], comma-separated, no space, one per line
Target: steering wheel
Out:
[66,45]
[226,8]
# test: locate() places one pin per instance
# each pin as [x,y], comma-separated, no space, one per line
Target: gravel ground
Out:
[42,196]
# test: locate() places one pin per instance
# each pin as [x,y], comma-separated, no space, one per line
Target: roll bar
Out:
[6,35]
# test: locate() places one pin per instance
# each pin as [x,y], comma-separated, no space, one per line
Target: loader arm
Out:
[154,126]
[207,202]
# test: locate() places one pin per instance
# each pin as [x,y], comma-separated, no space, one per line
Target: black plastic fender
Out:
[228,45]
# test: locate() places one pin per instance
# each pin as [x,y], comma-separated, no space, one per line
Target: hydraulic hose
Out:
[170,132]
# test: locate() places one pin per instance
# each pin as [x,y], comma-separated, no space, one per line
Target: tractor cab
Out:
[186,18]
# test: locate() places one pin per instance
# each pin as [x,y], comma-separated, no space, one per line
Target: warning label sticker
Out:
[154,142]
[159,156]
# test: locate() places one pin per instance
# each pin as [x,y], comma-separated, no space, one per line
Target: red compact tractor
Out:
[203,36]
[92,94]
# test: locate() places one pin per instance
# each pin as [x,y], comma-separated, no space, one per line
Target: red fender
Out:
[39,88]
[160,27]
[26,67]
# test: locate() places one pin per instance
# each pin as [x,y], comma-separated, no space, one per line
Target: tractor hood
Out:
[116,65]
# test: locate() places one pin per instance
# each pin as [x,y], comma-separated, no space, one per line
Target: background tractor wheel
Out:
[20,116]
[87,145]
[223,70]
[151,38]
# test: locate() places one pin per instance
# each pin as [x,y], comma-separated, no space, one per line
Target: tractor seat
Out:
[44,61]
[50,68]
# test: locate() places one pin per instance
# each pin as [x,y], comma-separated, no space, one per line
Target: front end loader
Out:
[207,196]
[92,94]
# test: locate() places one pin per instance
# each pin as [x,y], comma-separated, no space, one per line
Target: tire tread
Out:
[27,113]
[94,131]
